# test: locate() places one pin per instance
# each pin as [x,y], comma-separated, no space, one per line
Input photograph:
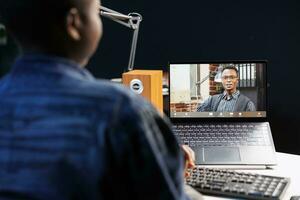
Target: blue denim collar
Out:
[46,58]
[43,62]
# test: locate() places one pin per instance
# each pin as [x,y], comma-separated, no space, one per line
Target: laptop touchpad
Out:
[222,154]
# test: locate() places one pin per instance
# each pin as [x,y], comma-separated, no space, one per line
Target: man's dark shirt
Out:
[65,135]
[224,103]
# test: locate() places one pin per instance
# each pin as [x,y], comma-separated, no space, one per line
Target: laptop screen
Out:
[230,89]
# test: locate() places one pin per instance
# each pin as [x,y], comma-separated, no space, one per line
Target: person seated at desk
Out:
[231,100]
[66,135]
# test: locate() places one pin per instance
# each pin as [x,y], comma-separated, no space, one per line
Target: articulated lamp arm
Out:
[132,21]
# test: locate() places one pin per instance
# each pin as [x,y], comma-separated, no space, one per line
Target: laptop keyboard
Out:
[235,134]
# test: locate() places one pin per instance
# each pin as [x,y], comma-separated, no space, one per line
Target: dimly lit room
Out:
[70,129]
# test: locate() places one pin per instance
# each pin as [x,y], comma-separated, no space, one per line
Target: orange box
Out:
[147,83]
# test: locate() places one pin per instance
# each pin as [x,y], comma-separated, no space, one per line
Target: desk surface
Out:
[288,165]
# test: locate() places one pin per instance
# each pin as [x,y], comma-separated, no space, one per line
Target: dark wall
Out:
[175,30]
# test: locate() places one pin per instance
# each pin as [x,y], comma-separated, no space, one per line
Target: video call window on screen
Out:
[218,90]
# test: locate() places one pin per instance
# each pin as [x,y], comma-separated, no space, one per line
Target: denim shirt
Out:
[66,135]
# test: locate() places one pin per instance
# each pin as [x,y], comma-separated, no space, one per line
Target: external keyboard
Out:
[236,134]
[229,183]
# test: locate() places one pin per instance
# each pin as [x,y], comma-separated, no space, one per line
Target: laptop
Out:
[221,113]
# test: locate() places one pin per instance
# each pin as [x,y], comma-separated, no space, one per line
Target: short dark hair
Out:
[33,20]
[232,67]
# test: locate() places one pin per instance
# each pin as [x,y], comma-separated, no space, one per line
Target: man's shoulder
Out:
[213,98]
[216,97]
[112,92]
[244,97]
[104,88]
[101,87]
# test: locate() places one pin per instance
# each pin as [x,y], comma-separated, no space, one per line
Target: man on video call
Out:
[231,100]
[66,135]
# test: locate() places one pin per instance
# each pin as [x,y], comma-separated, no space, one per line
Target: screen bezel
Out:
[221,119]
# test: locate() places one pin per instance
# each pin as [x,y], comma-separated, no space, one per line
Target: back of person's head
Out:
[32,20]
[68,28]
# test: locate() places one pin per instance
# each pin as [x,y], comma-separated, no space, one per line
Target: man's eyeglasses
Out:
[229,77]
